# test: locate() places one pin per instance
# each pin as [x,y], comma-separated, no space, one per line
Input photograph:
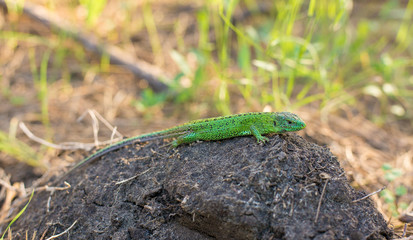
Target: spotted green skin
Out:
[255,123]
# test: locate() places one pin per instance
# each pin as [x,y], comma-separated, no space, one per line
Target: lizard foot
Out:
[262,139]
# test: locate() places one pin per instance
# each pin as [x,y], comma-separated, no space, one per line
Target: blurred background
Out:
[131,67]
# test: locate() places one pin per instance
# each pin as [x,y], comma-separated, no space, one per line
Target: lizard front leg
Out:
[258,135]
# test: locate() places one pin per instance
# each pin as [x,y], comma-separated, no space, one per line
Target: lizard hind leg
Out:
[187,138]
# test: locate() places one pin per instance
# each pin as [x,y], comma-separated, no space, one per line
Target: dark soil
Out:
[232,189]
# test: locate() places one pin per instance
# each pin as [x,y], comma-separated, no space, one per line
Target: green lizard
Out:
[255,123]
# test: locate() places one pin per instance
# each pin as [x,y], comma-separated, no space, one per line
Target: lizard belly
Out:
[222,134]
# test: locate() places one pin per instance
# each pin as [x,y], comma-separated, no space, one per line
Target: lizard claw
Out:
[262,139]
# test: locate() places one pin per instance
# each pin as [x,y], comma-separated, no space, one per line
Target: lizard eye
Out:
[289,122]
[275,123]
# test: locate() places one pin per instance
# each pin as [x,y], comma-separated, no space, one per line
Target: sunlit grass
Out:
[150,25]
[94,9]
[285,54]
[40,81]
[328,62]
[19,150]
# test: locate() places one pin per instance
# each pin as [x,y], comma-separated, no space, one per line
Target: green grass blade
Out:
[17,216]
[43,91]
[150,25]
[94,9]
[19,150]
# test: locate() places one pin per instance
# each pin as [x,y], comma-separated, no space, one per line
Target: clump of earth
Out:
[287,188]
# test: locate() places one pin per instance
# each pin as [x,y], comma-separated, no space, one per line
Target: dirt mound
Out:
[233,189]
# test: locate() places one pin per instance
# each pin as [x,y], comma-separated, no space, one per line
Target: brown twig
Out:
[131,178]
[76,145]
[370,194]
[327,177]
[65,231]
[117,55]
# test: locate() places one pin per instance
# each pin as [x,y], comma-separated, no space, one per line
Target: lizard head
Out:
[287,122]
